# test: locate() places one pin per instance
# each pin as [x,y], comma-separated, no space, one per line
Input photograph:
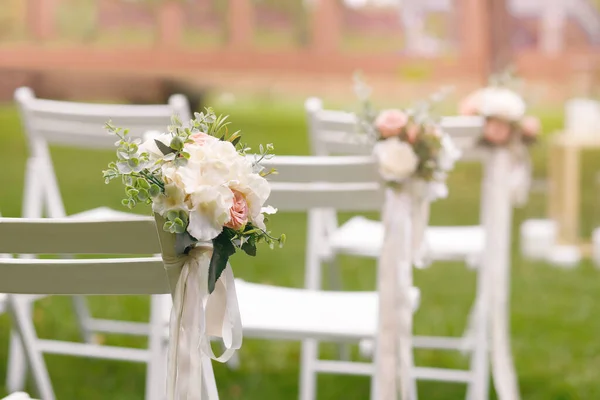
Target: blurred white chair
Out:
[74,276]
[303,184]
[335,132]
[17,396]
[81,126]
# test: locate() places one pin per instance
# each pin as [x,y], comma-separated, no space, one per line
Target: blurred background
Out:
[258,60]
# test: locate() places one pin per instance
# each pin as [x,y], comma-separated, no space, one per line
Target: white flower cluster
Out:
[398,162]
[498,102]
[217,187]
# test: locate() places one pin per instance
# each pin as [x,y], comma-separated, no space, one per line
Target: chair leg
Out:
[335,283]
[20,313]
[83,318]
[17,365]
[308,375]
[155,371]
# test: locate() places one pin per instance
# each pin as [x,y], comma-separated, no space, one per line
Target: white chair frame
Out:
[335,132]
[306,184]
[80,125]
[89,276]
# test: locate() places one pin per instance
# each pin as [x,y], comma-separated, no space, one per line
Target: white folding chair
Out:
[303,184]
[80,125]
[75,276]
[335,132]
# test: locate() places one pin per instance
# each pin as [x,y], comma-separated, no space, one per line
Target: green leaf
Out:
[172,215]
[143,183]
[222,250]
[236,140]
[249,248]
[176,143]
[163,147]
[154,190]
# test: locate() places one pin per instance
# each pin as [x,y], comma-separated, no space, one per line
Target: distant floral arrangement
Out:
[504,111]
[201,181]
[409,143]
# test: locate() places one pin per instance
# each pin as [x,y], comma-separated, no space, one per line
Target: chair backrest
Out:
[81,125]
[335,132]
[346,183]
[78,125]
[89,275]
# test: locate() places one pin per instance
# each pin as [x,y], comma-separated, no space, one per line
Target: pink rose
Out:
[471,104]
[412,131]
[390,122]
[496,131]
[238,212]
[200,138]
[530,126]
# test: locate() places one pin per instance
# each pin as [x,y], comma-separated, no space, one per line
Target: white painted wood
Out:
[334,132]
[81,125]
[312,314]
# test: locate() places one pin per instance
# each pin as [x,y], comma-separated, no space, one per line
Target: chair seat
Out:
[360,236]
[289,313]
[105,213]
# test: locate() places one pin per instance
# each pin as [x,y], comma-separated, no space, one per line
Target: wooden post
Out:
[474,36]
[326,26]
[171,20]
[501,28]
[552,27]
[41,18]
[240,23]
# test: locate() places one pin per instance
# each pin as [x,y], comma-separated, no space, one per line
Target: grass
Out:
[555,313]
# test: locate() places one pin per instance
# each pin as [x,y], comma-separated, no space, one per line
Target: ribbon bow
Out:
[196,317]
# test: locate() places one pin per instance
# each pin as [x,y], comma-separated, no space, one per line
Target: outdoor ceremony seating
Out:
[335,132]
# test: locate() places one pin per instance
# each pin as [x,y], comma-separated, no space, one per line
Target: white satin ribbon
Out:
[195,318]
[394,358]
[496,266]
[419,215]
[520,175]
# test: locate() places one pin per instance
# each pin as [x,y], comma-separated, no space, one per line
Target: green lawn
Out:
[555,312]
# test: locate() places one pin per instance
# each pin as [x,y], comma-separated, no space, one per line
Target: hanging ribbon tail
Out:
[420,220]
[394,345]
[520,175]
[196,317]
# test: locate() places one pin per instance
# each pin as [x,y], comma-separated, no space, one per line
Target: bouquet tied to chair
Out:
[208,197]
[414,155]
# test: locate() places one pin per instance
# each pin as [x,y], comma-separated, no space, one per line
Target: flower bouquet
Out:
[200,180]
[208,197]
[504,113]
[409,144]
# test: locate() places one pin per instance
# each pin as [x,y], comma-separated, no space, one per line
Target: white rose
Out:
[397,160]
[149,145]
[502,103]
